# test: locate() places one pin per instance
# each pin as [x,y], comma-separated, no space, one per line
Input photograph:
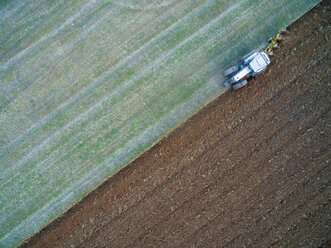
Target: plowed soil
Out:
[251,169]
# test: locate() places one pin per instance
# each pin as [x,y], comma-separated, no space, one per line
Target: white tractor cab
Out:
[251,65]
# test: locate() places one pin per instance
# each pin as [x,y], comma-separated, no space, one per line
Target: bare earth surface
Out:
[250,169]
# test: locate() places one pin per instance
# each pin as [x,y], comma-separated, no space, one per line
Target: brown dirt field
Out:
[251,169]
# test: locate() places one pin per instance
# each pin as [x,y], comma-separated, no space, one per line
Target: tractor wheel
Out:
[238,85]
[244,82]
[231,70]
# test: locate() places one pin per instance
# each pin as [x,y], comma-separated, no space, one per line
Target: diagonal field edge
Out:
[129,148]
[39,42]
[55,207]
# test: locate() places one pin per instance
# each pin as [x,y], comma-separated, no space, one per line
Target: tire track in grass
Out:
[35,72]
[80,95]
[88,30]
[112,70]
[90,5]
[151,6]
[99,104]
[63,49]
[25,27]
[74,41]
[9,10]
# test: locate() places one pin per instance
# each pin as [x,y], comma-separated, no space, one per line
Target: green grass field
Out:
[87,86]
